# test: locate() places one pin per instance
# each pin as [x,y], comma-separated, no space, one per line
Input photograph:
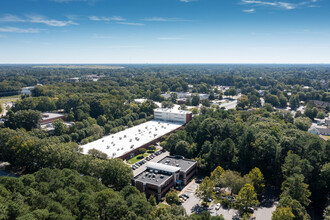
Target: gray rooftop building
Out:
[159,177]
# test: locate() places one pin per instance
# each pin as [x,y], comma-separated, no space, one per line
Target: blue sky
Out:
[164,31]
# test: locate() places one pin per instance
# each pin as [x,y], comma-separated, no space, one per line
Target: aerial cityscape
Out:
[165,109]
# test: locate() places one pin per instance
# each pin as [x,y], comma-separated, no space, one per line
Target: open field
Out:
[105,67]
[4,100]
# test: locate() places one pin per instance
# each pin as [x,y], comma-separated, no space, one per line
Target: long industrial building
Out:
[126,144]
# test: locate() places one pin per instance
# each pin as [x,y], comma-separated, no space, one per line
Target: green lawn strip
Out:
[137,158]
[327,137]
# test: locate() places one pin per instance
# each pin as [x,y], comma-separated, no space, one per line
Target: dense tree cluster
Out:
[65,194]
[244,140]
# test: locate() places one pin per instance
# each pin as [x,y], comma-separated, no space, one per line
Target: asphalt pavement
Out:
[155,159]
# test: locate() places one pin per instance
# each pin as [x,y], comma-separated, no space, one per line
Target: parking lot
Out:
[193,205]
[155,159]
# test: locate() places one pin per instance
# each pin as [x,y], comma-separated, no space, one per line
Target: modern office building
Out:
[159,177]
[172,115]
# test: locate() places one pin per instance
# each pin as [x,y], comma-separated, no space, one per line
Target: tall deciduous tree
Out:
[283,213]
[257,179]
[247,197]
[216,175]
[205,189]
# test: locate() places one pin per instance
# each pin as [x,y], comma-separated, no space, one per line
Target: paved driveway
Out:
[193,203]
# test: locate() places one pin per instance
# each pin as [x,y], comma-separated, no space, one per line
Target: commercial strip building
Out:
[126,144]
[159,177]
[185,95]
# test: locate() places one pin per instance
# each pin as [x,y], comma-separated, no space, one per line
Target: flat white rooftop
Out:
[118,144]
[163,167]
[172,110]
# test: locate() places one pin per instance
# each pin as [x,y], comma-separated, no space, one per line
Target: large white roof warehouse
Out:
[122,143]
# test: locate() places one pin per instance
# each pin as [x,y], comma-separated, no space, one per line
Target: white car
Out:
[217,207]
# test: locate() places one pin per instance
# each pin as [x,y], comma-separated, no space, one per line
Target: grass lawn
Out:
[7,99]
[162,205]
[137,158]
[327,137]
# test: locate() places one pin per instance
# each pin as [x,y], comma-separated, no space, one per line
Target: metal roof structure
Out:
[162,167]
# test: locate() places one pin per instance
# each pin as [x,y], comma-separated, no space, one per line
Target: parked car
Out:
[217,207]
[185,195]
[250,210]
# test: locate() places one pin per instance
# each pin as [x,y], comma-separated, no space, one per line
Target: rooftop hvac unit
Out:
[113,154]
[125,136]
[161,176]
[117,149]
[108,147]
[130,140]
[177,164]
[123,149]
[156,180]
[120,138]
[102,140]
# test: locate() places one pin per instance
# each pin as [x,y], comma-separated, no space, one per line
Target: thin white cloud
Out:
[19,30]
[51,22]
[286,5]
[113,18]
[161,19]
[3,36]
[280,4]
[35,19]
[252,10]
[186,1]
[131,23]
[170,38]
